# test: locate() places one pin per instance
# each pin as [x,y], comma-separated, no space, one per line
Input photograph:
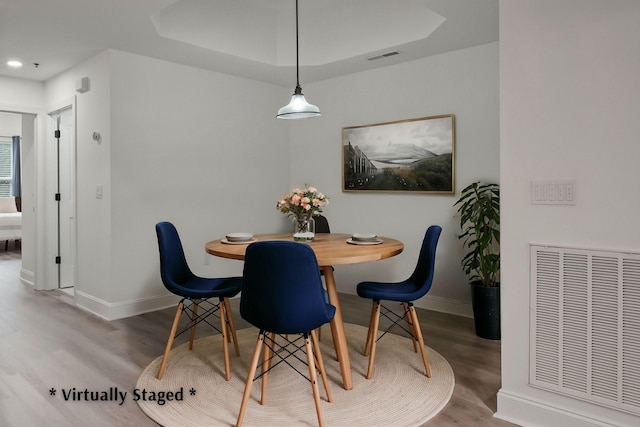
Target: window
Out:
[6,167]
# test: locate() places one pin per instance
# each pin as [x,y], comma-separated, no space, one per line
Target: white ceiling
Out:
[249,38]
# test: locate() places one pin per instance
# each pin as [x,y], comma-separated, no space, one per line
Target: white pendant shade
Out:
[298,108]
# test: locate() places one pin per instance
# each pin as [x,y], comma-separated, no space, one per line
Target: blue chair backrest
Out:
[423,274]
[282,289]
[174,269]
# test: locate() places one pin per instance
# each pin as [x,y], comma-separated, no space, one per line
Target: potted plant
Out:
[479,212]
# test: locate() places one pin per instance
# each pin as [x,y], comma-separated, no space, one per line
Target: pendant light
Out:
[298,108]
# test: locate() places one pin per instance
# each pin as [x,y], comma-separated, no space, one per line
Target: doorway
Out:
[64,188]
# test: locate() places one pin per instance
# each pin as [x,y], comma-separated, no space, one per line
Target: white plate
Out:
[364,242]
[359,237]
[306,235]
[239,237]
[246,242]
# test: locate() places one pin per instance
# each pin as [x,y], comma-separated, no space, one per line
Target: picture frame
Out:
[408,156]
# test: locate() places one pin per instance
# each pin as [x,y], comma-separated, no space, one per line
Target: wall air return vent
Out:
[585,325]
[384,55]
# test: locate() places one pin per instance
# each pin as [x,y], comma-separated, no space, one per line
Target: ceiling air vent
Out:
[384,55]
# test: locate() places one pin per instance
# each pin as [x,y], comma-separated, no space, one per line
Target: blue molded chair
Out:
[195,292]
[282,294]
[405,292]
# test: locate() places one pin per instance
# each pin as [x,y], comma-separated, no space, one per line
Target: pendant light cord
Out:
[298,108]
[298,89]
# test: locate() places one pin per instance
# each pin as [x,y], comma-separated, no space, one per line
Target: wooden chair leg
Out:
[250,375]
[266,364]
[323,373]
[370,333]
[407,317]
[194,322]
[314,379]
[172,334]
[225,344]
[374,335]
[423,352]
[232,325]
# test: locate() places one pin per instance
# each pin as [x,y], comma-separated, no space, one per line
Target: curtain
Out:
[16,187]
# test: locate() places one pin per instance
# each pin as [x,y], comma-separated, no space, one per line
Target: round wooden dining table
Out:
[330,249]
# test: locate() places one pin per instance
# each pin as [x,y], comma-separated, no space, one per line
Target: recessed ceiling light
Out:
[14,64]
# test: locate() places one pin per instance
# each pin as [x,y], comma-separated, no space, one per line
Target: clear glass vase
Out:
[304,229]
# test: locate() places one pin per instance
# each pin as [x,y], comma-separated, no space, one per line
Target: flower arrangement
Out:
[302,204]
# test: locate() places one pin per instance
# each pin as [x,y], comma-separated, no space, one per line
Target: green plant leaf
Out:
[479,210]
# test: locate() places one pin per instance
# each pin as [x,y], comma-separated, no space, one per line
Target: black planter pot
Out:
[486,310]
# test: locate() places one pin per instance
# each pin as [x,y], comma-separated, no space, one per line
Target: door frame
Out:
[48,240]
[31,193]
[44,274]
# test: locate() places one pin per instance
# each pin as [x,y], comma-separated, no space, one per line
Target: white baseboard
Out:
[445,305]
[122,309]
[28,277]
[528,412]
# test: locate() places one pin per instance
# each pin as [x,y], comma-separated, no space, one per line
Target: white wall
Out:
[93,164]
[200,149]
[19,95]
[464,83]
[10,124]
[569,108]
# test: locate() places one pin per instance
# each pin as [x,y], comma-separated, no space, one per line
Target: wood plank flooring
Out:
[46,342]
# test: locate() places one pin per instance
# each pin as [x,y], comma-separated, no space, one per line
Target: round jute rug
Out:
[399,394]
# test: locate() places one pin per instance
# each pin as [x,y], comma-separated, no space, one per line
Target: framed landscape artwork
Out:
[415,155]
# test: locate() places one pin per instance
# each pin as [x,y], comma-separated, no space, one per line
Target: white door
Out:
[65,194]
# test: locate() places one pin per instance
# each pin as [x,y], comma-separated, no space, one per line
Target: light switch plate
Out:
[553,192]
